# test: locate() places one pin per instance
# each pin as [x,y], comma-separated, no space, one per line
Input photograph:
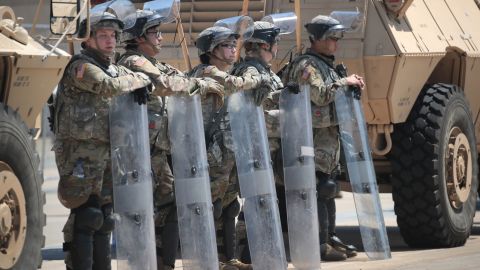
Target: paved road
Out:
[465,257]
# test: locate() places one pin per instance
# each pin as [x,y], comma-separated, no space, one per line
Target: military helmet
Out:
[264,32]
[104,20]
[211,37]
[140,22]
[324,27]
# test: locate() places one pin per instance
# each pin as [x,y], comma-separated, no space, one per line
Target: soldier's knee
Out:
[108,219]
[88,218]
[232,210]
[326,187]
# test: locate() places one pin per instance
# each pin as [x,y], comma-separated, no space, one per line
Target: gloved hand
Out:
[208,86]
[260,94]
[292,87]
[357,92]
[142,95]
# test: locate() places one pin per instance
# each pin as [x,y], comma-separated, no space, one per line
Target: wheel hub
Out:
[13,218]
[5,219]
[459,168]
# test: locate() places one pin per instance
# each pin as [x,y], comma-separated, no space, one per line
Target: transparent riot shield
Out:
[299,178]
[192,184]
[255,175]
[132,185]
[354,138]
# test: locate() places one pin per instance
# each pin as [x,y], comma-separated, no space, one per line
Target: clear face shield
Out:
[350,20]
[120,8]
[240,25]
[285,21]
[168,9]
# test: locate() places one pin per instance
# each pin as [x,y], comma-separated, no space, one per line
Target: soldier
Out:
[82,145]
[216,49]
[143,43]
[260,50]
[316,68]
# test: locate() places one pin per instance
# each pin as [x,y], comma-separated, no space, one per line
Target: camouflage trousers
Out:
[166,231]
[221,161]
[327,148]
[85,169]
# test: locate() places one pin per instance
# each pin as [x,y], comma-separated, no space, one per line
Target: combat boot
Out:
[239,265]
[328,253]
[350,250]
[224,266]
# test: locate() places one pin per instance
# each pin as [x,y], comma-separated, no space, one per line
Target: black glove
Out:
[292,87]
[357,93]
[260,94]
[142,95]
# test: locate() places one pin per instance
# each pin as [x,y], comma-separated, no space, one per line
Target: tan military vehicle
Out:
[421,62]
[29,72]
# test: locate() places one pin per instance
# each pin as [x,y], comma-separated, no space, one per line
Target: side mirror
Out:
[62,14]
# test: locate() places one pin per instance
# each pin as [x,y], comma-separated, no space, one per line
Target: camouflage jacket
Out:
[270,104]
[84,93]
[167,79]
[231,84]
[319,73]
[159,73]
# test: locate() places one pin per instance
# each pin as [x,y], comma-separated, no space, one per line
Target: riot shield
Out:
[192,184]
[132,185]
[299,178]
[255,175]
[354,138]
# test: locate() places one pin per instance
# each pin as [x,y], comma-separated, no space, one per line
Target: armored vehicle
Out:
[29,71]
[420,60]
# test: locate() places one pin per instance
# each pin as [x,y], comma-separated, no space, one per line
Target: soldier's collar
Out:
[259,60]
[329,59]
[98,56]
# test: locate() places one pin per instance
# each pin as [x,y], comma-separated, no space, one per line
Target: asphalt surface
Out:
[403,257]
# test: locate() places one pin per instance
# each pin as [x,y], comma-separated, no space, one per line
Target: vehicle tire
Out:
[21,193]
[434,203]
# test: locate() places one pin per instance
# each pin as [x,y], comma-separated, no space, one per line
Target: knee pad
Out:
[108,219]
[232,210]
[326,189]
[88,218]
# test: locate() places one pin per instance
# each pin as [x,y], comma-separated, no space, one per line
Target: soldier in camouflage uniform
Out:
[143,43]
[216,49]
[82,144]
[260,50]
[316,68]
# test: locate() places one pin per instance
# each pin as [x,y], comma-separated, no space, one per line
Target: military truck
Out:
[29,71]
[420,61]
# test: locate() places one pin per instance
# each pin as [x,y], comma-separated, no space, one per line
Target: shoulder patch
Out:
[139,61]
[208,69]
[80,70]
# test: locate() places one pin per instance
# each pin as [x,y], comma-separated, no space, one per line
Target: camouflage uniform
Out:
[221,158]
[167,80]
[82,148]
[319,73]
